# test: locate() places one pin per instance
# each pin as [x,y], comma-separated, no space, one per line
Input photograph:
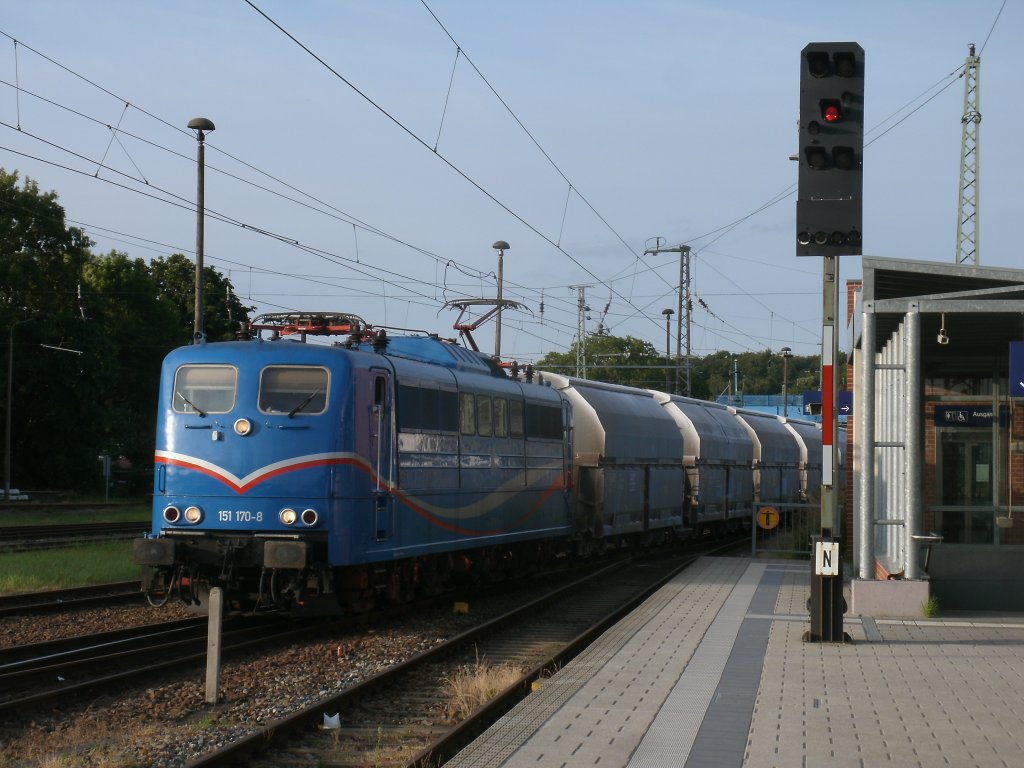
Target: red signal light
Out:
[831,111]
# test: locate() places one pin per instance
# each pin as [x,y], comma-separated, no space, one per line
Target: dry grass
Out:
[82,743]
[475,684]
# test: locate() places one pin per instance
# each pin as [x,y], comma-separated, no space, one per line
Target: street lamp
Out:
[786,353]
[7,413]
[668,343]
[500,246]
[201,126]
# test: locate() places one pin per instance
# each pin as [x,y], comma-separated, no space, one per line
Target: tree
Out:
[141,312]
[40,263]
[712,375]
[637,363]
[618,360]
[41,257]
[106,323]
[222,311]
[131,330]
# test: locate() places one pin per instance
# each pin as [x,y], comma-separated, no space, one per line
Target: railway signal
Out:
[828,224]
[829,198]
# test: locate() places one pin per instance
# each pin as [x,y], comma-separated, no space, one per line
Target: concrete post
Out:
[213,636]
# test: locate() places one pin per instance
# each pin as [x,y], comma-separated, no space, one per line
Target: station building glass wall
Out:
[974,463]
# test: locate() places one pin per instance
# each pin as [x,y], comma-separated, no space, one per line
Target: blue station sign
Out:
[1017,369]
[968,416]
[812,403]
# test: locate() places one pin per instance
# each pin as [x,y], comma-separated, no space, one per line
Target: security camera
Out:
[943,337]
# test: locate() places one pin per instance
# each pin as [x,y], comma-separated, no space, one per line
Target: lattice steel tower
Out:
[968,227]
[685,303]
[581,329]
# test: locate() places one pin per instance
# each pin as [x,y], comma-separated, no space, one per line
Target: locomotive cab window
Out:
[423,409]
[500,416]
[294,390]
[483,415]
[467,414]
[543,422]
[204,389]
[515,418]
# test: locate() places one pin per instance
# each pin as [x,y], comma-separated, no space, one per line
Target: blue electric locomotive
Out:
[327,475]
[332,476]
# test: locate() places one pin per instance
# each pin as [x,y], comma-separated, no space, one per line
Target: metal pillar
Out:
[201,126]
[865,434]
[968,226]
[500,246]
[7,411]
[914,441]
[668,347]
[581,330]
[786,353]
[684,305]
[829,394]
[827,603]
[683,325]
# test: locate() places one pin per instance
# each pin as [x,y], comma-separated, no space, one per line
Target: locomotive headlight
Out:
[172,514]
[243,427]
[309,516]
[288,516]
[193,515]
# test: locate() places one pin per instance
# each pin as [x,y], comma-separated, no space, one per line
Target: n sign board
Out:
[826,558]
[1017,369]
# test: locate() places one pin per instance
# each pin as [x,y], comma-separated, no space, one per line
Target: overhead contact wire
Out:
[420,141]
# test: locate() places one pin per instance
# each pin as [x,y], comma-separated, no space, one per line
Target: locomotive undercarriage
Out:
[246,568]
[250,572]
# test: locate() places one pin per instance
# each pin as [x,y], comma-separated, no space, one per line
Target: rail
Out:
[550,630]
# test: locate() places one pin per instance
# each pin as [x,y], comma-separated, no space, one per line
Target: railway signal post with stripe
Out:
[829,224]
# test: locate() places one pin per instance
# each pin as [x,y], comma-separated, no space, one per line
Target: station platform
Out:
[712,671]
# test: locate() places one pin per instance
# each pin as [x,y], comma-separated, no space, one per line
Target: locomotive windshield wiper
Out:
[195,407]
[303,404]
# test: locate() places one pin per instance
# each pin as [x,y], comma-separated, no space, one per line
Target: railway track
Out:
[44,505]
[399,717]
[40,673]
[21,538]
[55,601]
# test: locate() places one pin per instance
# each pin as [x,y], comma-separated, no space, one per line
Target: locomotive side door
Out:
[382,453]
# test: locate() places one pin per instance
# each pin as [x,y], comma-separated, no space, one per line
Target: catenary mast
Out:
[968,227]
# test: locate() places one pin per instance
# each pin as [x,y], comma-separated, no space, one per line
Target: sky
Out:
[368,153]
